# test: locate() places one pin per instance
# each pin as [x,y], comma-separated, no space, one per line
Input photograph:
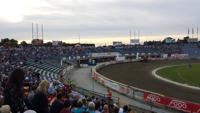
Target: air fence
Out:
[144,96]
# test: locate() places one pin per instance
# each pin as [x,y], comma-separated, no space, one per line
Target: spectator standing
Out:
[105,109]
[109,96]
[97,106]
[13,93]
[40,100]
[58,104]
[91,107]
[5,109]
[67,107]
[78,108]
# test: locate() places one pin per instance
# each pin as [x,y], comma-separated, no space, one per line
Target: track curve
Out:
[139,75]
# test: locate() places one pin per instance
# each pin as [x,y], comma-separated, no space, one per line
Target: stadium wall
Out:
[141,95]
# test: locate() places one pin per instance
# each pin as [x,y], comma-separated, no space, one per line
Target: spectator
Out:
[67,107]
[29,111]
[105,109]
[40,100]
[13,93]
[124,109]
[5,109]
[97,107]
[57,105]
[78,108]
[91,107]
[109,93]
[109,96]
[31,96]
[1,96]
[84,106]
[115,109]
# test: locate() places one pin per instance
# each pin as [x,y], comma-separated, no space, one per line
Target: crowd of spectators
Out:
[56,97]
[19,94]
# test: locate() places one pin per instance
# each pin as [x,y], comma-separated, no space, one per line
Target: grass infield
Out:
[186,74]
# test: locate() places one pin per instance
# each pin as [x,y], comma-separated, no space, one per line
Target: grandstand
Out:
[45,62]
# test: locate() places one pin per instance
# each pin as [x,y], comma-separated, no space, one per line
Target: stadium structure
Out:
[140,72]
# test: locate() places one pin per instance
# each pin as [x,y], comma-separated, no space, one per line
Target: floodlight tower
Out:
[197,33]
[42,31]
[130,33]
[32,32]
[37,31]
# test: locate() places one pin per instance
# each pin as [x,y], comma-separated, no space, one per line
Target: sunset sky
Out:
[98,21]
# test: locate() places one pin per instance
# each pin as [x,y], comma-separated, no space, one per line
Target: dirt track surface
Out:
[139,75]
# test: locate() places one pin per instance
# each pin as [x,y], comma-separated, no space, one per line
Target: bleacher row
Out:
[46,71]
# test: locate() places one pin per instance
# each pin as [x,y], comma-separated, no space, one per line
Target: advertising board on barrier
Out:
[179,105]
[172,103]
[111,85]
[138,95]
[126,90]
[155,99]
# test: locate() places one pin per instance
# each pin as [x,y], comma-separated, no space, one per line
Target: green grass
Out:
[184,74]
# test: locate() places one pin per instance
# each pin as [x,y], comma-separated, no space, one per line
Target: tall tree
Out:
[23,43]
[6,42]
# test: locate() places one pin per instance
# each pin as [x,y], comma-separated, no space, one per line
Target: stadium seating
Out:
[46,71]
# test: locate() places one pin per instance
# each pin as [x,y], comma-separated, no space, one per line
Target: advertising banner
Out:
[186,107]
[126,90]
[155,99]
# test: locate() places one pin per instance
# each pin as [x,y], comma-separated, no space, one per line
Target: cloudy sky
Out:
[98,20]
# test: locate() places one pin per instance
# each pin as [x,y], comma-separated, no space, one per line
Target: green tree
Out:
[13,43]
[23,43]
[6,42]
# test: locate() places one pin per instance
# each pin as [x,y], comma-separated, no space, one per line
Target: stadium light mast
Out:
[192,32]
[197,32]
[130,34]
[188,32]
[134,35]
[138,34]
[42,31]
[37,31]
[79,38]
[32,32]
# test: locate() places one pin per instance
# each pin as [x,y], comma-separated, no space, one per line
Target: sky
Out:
[98,21]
